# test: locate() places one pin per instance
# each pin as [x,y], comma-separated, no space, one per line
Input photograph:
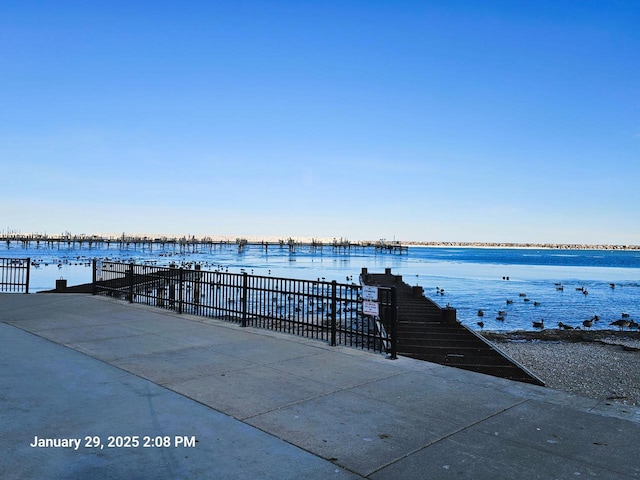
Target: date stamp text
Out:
[117,441]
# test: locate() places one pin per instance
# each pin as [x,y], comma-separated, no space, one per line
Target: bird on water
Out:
[539,324]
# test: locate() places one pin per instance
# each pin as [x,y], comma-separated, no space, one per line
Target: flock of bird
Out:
[503,313]
[624,322]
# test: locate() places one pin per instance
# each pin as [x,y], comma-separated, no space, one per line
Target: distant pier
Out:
[191,244]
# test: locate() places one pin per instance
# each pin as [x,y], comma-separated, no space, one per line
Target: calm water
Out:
[472,278]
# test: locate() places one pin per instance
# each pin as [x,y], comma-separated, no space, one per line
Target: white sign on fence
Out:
[369,293]
[370,308]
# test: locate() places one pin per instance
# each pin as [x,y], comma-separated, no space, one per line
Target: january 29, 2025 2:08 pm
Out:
[119,441]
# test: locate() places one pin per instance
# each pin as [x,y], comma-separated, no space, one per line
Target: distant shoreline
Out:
[324,241]
[546,246]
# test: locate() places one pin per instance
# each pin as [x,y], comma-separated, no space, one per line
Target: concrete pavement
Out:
[267,405]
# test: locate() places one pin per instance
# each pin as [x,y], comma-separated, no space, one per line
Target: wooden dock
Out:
[429,332]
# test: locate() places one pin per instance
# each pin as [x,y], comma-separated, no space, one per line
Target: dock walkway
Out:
[431,333]
[266,405]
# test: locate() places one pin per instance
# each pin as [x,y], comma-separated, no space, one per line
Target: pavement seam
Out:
[243,420]
[547,452]
[337,390]
[461,429]
[509,440]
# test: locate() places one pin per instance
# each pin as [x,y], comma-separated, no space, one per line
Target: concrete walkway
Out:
[267,405]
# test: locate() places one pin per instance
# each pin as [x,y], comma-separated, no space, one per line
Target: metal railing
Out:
[14,275]
[328,311]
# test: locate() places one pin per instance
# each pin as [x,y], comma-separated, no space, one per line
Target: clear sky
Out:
[505,121]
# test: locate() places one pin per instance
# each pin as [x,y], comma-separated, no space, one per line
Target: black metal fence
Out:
[328,311]
[14,275]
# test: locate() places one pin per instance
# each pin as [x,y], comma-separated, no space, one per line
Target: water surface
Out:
[472,279]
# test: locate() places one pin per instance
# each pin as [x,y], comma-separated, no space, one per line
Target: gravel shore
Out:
[604,365]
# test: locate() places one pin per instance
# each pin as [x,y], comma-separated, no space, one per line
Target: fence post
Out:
[333,312]
[171,285]
[130,282]
[94,276]
[245,290]
[394,322]
[28,269]
[196,287]
[180,288]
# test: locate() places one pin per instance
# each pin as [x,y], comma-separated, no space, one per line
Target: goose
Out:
[536,304]
[564,326]
[625,315]
[621,324]
[481,324]
[509,302]
[539,324]
[633,324]
[588,323]
[480,313]
[500,317]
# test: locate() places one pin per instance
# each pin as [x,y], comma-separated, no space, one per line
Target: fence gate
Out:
[14,275]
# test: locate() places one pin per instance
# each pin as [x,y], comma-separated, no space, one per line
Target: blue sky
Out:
[505,121]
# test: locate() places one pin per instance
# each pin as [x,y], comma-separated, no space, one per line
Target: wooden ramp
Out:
[429,332]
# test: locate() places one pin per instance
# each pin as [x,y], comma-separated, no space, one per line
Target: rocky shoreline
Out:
[603,364]
[566,335]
